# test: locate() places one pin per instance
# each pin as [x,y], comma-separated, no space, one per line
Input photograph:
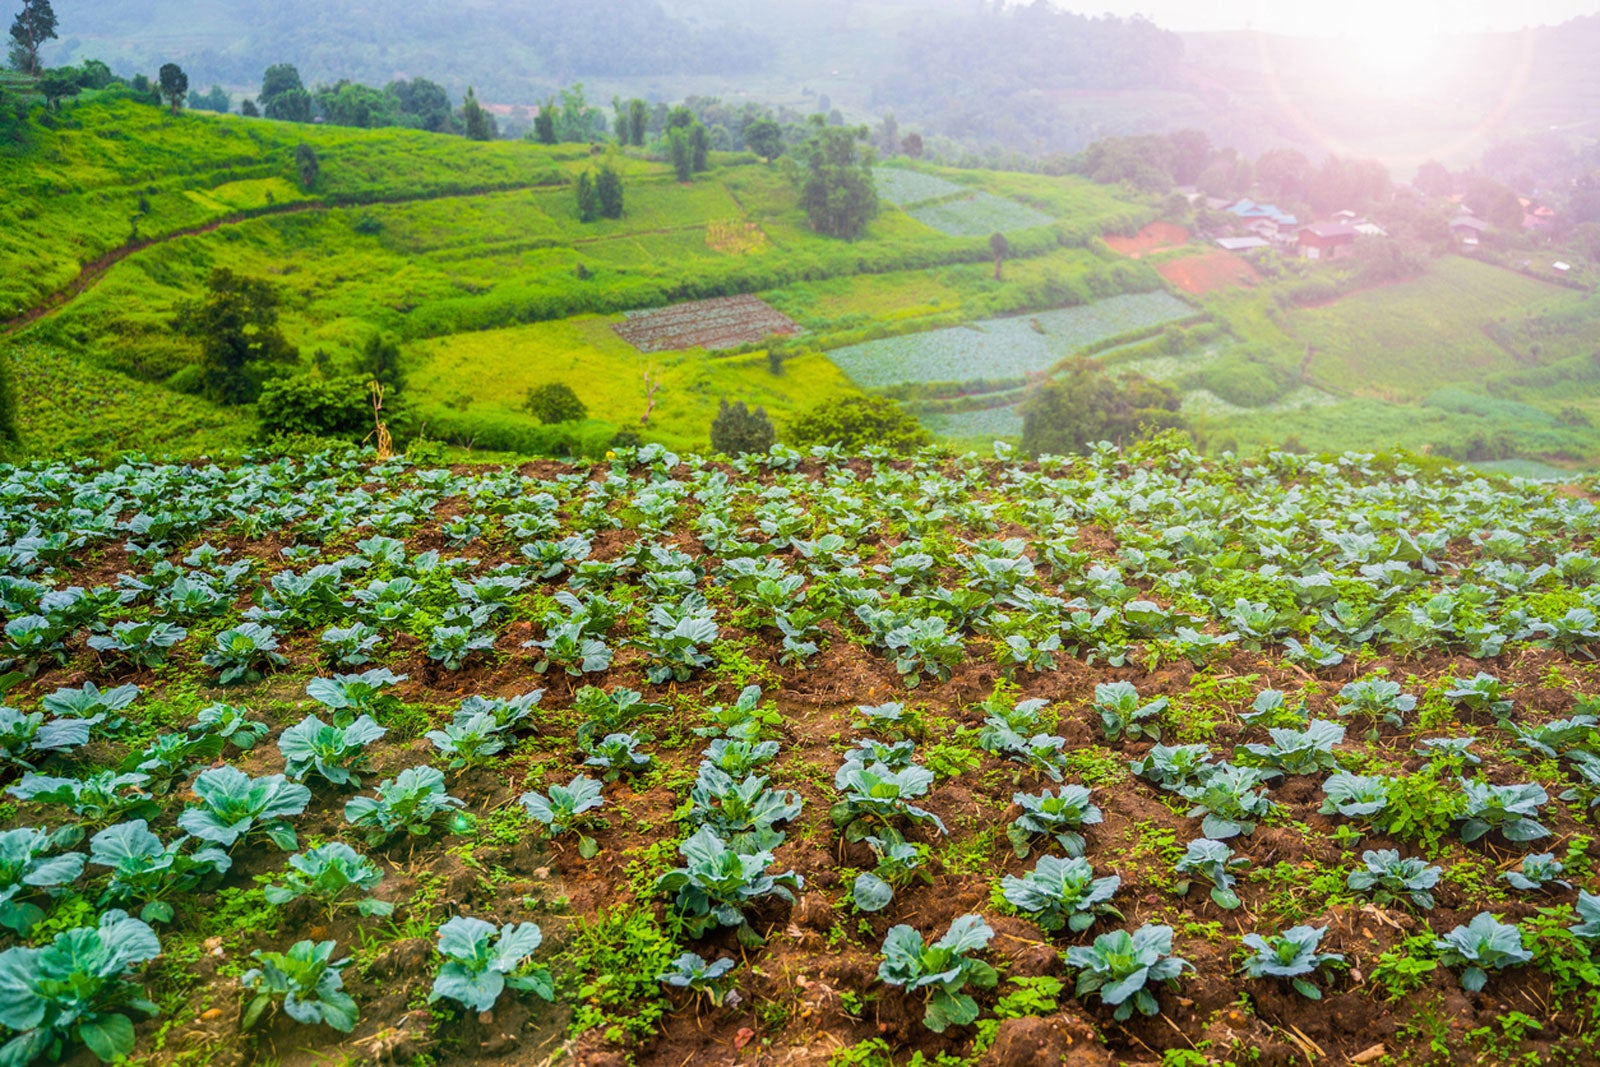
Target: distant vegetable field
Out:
[1004,348]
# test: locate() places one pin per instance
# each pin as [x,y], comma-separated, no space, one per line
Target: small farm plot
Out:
[905,187]
[978,215]
[990,423]
[1209,271]
[997,349]
[723,322]
[1156,237]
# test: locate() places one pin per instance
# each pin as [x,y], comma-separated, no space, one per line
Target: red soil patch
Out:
[1156,237]
[1210,270]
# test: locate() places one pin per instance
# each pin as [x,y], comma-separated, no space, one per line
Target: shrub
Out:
[737,430]
[858,422]
[308,405]
[555,402]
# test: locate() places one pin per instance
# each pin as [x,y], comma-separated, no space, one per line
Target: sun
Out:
[1395,43]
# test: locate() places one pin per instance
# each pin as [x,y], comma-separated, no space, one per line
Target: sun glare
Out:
[1394,44]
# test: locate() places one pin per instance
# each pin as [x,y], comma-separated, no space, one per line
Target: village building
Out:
[1327,240]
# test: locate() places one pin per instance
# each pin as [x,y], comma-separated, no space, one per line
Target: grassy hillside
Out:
[452,258]
[106,173]
[1407,339]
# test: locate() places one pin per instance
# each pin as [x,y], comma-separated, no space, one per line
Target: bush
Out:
[321,407]
[856,422]
[1085,404]
[737,429]
[555,402]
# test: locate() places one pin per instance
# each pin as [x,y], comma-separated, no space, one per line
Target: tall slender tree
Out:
[174,85]
[34,25]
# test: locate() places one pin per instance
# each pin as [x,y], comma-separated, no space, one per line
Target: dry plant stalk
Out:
[380,428]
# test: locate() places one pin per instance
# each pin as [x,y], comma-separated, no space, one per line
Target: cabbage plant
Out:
[564,809]
[1228,801]
[876,797]
[1388,878]
[1120,968]
[1511,809]
[711,980]
[305,982]
[242,653]
[1293,955]
[1062,893]
[1537,873]
[413,802]
[233,807]
[1485,944]
[1123,713]
[76,990]
[145,870]
[1216,863]
[1059,815]
[716,884]
[940,971]
[32,860]
[329,874]
[334,753]
[482,961]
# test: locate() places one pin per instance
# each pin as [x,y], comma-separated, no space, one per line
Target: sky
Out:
[1342,17]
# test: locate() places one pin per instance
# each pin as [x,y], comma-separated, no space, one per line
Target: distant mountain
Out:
[509,50]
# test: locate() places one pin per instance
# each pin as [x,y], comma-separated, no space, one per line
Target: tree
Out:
[889,135]
[588,199]
[544,123]
[638,121]
[1283,174]
[1191,154]
[174,85]
[34,25]
[764,137]
[608,188]
[857,422]
[320,407]
[353,104]
[236,323]
[699,148]
[279,78]
[1084,404]
[1000,248]
[555,402]
[837,192]
[283,96]
[682,153]
[737,430]
[1433,179]
[911,144]
[94,74]
[215,100]
[379,361]
[247,108]
[56,85]
[423,104]
[308,165]
[480,125]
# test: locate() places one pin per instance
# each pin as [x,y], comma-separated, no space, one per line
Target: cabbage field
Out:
[1004,348]
[798,758]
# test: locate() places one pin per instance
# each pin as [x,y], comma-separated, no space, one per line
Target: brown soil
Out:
[1156,237]
[1208,272]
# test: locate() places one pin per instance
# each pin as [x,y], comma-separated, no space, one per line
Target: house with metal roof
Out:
[1327,240]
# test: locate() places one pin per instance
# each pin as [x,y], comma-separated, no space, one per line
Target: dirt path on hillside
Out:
[91,273]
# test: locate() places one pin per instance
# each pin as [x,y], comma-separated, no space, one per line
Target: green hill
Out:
[457,248]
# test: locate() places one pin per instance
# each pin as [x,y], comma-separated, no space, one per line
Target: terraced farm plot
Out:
[978,215]
[723,322]
[1155,237]
[902,187]
[1004,348]
[994,424]
[1209,272]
